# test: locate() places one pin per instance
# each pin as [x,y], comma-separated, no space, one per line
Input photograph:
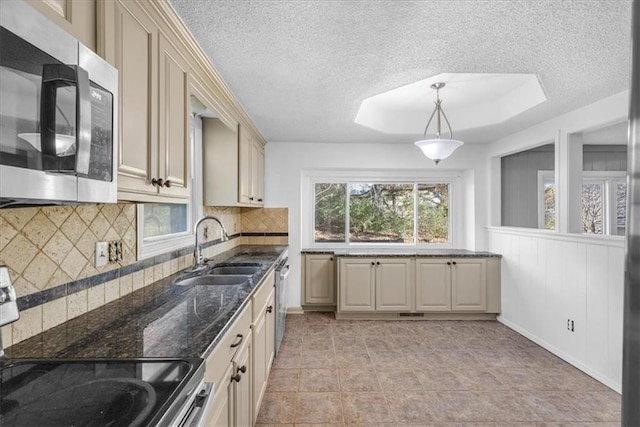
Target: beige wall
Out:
[45,247]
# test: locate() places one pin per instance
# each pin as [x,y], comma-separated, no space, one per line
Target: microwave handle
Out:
[83,116]
[54,76]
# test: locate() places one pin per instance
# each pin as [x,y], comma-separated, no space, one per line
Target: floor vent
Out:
[411,314]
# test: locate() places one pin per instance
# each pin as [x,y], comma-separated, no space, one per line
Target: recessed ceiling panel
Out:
[470,100]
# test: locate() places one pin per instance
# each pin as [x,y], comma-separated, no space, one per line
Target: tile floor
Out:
[425,373]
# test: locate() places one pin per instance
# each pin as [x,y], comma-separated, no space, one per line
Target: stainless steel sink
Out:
[214,280]
[235,269]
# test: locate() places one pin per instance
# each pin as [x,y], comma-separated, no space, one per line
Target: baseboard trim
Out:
[562,355]
[295,310]
[426,316]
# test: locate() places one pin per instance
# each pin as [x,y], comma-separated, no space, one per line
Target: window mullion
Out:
[415,213]
[347,237]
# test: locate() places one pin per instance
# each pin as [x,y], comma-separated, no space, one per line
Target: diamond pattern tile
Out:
[73,227]
[57,214]
[264,220]
[39,230]
[18,217]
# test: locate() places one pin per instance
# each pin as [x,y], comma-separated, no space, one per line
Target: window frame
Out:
[157,245]
[609,181]
[544,177]
[311,178]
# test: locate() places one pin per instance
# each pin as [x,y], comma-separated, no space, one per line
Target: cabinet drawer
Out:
[261,296]
[223,352]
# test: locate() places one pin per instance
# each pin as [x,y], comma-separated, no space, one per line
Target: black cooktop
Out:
[104,392]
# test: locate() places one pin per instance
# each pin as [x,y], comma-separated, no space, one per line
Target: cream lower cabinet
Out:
[468,285]
[394,284]
[451,285]
[368,284]
[229,367]
[263,328]
[433,285]
[357,284]
[319,280]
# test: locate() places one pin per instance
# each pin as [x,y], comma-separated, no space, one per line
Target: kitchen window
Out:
[383,212]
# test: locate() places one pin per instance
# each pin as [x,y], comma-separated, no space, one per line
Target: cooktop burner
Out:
[90,392]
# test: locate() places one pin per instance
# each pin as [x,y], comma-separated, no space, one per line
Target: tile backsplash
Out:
[50,253]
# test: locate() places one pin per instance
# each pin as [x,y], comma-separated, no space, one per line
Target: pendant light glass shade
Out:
[438,148]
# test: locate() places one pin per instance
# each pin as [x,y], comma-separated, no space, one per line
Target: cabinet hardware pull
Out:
[242,368]
[236,378]
[167,183]
[378,263]
[250,198]
[448,263]
[269,309]
[331,259]
[373,263]
[235,344]
[454,263]
[259,200]
[158,182]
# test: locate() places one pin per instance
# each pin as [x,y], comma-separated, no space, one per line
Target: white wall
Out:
[549,277]
[285,163]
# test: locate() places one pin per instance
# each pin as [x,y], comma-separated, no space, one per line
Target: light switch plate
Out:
[102,253]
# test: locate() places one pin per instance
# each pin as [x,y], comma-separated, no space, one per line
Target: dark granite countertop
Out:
[159,320]
[401,252]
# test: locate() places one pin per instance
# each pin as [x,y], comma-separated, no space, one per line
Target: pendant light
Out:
[438,148]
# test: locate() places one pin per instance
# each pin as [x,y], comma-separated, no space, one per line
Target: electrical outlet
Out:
[115,251]
[572,328]
[205,232]
[570,325]
[102,253]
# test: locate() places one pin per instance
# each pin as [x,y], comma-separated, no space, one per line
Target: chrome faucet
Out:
[197,251]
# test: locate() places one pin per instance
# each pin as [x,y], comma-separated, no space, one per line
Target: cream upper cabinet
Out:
[468,285]
[319,279]
[251,170]
[77,17]
[230,157]
[394,284]
[433,285]
[153,109]
[357,284]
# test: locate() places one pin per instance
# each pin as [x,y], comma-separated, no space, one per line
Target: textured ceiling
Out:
[301,68]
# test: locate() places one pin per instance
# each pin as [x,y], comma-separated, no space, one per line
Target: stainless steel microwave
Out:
[58,114]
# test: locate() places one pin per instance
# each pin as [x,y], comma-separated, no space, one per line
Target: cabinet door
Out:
[259,359]
[242,396]
[77,17]
[357,284]
[394,285]
[319,281]
[468,285]
[130,44]
[257,173]
[173,115]
[244,166]
[433,285]
[220,414]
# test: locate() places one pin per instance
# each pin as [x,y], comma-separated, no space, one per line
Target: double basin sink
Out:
[218,275]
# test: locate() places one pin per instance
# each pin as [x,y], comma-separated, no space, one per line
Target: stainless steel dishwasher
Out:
[282,274]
